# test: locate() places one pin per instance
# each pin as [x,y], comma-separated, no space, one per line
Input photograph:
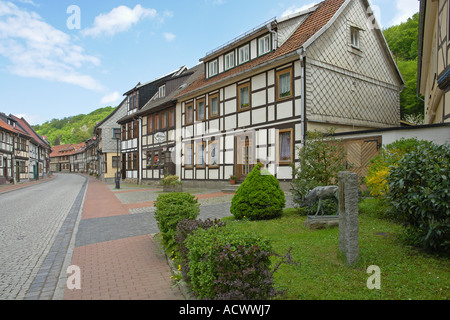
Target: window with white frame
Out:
[212,68]
[354,37]
[264,45]
[162,91]
[229,60]
[244,54]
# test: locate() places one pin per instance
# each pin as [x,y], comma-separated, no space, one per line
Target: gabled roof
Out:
[318,21]
[26,127]
[178,83]
[67,150]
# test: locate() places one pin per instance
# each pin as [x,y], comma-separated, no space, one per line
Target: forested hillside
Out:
[74,129]
[403,42]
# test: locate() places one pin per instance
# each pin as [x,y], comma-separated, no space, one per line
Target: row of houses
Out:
[24,154]
[254,98]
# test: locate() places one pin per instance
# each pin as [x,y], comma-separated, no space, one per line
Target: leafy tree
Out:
[403,42]
[75,129]
[321,159]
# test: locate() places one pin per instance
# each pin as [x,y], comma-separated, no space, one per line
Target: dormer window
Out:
[264,45]
[132,101]
[162,91]
[244,54]
[229,60]
[212,68]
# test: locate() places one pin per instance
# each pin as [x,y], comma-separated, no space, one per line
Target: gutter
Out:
[302,54]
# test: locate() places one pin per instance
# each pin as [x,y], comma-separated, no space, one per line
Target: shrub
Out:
[258,197]
[185,228]
[170,209]
[419,194]
[170,180]
[226,264]
[376,179]
[321,159]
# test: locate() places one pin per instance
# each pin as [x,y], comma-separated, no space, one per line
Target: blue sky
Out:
[57,62]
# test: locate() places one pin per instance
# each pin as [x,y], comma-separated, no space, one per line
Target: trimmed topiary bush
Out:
[258,197]
[171,208]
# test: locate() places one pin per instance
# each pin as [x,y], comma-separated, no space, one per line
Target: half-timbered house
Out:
[6,152]
[433,76]
[131,149]
[327,66]
[159,134]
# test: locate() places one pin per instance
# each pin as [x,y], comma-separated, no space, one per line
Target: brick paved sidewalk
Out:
[12,187]
[120,269]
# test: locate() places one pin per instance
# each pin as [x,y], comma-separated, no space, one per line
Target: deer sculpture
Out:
[320,194]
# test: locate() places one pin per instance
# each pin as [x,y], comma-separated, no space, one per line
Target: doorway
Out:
[245,156]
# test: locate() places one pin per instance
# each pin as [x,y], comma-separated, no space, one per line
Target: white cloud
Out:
[37,49]
[169,36]
[111,98]
[293,9]
[405,10]
[119,19]
[31,119]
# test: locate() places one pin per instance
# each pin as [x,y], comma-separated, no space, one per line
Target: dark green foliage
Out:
[185,228]
[258,197]
[171,208]
[74,129]
[321,159]
[419,193]
[403,42]
[226,264]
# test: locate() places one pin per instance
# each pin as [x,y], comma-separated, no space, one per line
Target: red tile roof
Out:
[318,19]
[67,150]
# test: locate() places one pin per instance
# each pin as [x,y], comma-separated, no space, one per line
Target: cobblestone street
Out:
[31,219]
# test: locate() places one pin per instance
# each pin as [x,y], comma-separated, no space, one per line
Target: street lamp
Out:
[116,134]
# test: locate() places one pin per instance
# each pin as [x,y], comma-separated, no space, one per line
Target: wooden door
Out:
[360,151]
[245,156]
[124,166]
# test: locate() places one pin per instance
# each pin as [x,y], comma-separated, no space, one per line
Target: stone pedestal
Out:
[348,216]
[321,222]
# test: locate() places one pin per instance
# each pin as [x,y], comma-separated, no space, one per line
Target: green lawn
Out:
[406,272]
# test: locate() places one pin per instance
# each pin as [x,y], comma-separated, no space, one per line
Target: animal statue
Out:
[320,194]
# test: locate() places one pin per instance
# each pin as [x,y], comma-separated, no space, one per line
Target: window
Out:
[285,144]
[171,118]
[124,133]
[354,37]
[229,60]
[244,96]
[213,154]
[244,54]
[116,162]
[201,109]
[149,124]
[188,156]
[201,155]
[156,158]
[149,159]
[284,84]
[132,101]
[212,68]
[156,122]
[162,91]
[164,120]
[135,129]
[213,106]
[189,114]
[264,45]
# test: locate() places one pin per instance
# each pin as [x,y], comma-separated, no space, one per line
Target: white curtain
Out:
[285,84]
[285,146]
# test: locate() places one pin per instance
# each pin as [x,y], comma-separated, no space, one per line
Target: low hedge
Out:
[171,208]
[225,264]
